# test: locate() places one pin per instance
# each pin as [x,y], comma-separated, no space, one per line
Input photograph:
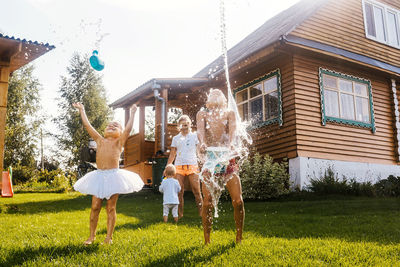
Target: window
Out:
[260,100]
[346,99]
[381,23]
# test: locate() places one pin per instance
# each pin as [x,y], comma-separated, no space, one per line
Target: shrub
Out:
[49,176]
[362,189]
[329,183]
[22,174]
[48,181]
[388,187]
[264,179]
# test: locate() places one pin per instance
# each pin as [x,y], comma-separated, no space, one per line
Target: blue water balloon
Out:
[96,62]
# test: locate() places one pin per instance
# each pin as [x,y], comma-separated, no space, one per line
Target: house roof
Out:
[155,83]
[20,52]
[266,34]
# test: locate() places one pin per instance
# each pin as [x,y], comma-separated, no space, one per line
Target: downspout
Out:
[155,88]
[396,114]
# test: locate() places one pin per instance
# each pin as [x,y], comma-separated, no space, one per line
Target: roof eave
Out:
[342,53]
[148,88]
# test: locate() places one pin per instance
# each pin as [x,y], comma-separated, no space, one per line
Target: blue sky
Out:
[142,39]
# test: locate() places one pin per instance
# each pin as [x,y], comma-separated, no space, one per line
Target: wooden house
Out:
[319,83]
[14,53]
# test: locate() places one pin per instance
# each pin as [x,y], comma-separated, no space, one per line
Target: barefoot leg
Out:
[195,185]
[235,190]
[206,214]
[94,218]
[111,217]
[181,178]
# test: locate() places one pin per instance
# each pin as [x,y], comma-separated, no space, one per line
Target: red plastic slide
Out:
[6,184]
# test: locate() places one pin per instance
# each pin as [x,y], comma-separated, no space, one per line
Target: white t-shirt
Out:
[185,148]
[170,187]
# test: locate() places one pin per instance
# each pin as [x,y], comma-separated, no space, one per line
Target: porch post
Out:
[158,126]
[4,76]
[142,116]
[164,94]
[397,117]
[127,116]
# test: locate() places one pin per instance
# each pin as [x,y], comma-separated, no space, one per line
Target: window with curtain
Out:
[346,99]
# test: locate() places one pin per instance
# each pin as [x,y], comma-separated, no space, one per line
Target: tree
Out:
[22,122]
[82,84]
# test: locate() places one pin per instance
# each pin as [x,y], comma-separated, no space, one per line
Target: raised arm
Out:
[129,124]
[89,128]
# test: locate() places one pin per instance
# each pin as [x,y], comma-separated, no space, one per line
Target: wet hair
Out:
[117,122]
[220,101]
[170,170]
[184,118]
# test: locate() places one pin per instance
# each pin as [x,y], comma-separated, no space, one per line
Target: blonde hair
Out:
[182,118]
[218,101]
[170,170]
[117,122]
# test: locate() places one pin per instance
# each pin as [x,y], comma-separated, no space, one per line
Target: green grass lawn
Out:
[48,229]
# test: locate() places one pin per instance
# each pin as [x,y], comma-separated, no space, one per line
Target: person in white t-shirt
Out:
[184,152]
[170,188]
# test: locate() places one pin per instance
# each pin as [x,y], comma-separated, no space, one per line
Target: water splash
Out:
[221,156]
[88,27]
[242,138]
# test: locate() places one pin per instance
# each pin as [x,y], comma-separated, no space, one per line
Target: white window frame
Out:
[261,80]
[385,9]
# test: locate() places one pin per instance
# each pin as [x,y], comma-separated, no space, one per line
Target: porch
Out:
[186,94]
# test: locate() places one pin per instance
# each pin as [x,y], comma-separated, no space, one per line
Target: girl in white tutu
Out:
[108,181]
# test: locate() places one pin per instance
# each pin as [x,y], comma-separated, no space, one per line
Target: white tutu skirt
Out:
[105,183]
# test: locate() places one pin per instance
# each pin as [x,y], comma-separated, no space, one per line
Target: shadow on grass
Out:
[80,202]
[186,257]
[51,206]
[19,256]
[352,219]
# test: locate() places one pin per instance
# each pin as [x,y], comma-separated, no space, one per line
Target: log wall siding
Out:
[336,141]
[277,141]
[132,150]
[340,23]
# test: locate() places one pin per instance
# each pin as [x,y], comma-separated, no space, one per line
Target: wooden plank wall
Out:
[172,130]
[340,23]
[132,150]
[335,141]
[277,141]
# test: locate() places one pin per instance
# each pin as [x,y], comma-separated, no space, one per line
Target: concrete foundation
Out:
[302,169]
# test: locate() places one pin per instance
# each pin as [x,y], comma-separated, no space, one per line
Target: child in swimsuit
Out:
[216,128]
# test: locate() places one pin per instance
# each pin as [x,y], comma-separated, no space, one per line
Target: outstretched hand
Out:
[133,108]
[203,148]
[78,105]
